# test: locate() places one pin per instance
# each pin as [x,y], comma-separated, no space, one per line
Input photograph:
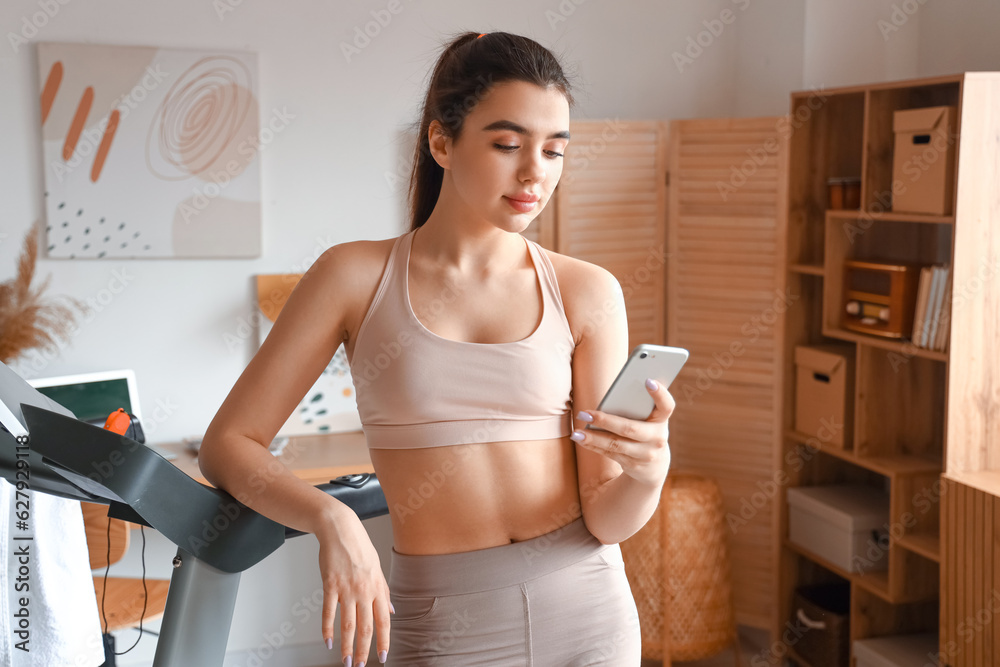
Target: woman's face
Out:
[508,159]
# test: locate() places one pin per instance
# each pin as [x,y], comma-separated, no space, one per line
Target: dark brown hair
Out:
[467,69]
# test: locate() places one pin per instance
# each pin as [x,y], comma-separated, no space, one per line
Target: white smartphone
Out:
[628,396]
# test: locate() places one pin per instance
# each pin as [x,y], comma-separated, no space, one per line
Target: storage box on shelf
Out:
[824,393]
[924,160]
[897,651]
[844,524]
[904,418]
[821,612]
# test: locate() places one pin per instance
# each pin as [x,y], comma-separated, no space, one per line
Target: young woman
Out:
[470,348]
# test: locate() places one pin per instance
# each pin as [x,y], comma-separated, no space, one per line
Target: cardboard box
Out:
[896,651]
[824,393]
[844,523]
[923,160]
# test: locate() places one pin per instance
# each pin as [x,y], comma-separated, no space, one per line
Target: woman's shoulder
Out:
[584,286]
[354,265]
[579,278]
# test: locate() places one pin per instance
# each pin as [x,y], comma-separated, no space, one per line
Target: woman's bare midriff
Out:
[474,496]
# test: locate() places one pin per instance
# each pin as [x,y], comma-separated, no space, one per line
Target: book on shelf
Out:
[920,310]
[932,309]
[944,320]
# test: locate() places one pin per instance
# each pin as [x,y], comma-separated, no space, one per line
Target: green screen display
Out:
[91,400]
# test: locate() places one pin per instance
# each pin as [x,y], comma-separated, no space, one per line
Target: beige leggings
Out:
[559,599]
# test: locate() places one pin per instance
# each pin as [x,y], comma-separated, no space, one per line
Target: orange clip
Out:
[118,421]
[481,35]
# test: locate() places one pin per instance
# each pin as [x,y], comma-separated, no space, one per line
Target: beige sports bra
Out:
[417,389]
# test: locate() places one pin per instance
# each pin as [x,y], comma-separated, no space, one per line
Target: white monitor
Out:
[93,396]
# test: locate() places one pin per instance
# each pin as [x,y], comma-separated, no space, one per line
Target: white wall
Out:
[324,177]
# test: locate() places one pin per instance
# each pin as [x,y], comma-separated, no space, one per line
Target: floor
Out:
[752,641]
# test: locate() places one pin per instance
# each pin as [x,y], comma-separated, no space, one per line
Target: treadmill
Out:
[73,459]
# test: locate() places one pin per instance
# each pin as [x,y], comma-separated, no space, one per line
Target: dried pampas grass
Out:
[26,321]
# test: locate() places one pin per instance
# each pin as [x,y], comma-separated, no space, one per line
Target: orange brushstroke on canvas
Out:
[76,127]
[102,150]
[51,88]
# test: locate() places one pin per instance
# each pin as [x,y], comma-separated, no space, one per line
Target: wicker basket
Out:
[691,571]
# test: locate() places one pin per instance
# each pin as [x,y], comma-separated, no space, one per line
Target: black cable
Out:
[145,593]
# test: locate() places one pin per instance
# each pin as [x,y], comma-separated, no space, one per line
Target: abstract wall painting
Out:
[150,153]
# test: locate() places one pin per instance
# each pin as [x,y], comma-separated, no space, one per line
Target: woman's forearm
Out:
[246,470]
[621,507]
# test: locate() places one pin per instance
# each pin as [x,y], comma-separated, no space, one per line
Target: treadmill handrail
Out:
[207,522]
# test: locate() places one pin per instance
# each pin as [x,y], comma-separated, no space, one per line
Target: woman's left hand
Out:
[639,447]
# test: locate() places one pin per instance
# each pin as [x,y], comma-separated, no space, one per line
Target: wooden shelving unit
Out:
[904,423]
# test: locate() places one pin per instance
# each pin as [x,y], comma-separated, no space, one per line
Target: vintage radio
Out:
[879,298]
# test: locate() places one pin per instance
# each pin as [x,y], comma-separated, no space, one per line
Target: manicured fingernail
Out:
[584,416]
[651,384]
[382,656]
[361,664]
[347,661]
[577,436]
[329,643]
[391,608]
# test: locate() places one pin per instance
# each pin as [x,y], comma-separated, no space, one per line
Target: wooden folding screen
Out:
[610,209]
[704,278]
[728,188]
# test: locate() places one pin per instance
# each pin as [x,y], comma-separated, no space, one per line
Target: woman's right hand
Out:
[352,575]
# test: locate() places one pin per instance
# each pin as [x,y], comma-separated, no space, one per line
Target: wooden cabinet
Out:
[919,414]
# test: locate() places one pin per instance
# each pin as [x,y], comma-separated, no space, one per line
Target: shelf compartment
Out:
[919,218]
[881,104]
[916,501]
[827,141]
[913,575]
[887,466]
[904,349]
[900,405]
[851,238]
[872,616]
[875,582]
[928,546]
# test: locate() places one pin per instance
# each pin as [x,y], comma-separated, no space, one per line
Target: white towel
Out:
[62,616]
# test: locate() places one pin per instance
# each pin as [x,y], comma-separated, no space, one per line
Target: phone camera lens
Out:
[642,355]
